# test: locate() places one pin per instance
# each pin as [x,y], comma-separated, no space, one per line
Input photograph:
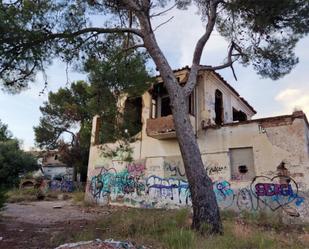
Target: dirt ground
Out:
[40,224]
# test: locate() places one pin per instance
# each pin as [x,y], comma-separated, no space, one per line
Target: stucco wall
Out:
[156,177]
[53,171]
[230,99]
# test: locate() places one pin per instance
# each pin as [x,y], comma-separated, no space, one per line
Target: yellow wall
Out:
[272,143]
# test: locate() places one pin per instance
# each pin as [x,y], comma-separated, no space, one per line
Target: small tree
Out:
[5,134]
[70,109]
[13,161]
[263,33]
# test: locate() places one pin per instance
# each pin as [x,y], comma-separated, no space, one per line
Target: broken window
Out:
[160,103]
[219,107]
[132,115]
[239,115]
[242,163]
[165,106]
[192,103]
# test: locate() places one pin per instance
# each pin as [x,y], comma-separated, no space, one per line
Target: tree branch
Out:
[164,11]
[132,5]
[212,15]
[133,47]
[163,23]
[73,136]
[96,30]
[65,35]
[230,60]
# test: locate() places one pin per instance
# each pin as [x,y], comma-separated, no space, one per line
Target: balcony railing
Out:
[161,128]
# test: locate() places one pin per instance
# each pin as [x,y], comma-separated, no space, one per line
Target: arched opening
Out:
[219,107]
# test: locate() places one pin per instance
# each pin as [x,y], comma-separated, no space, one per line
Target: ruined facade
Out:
[255,164]
[52,166]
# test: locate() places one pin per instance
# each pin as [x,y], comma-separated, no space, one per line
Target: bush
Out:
[3,197]
[20,195]
[13,162]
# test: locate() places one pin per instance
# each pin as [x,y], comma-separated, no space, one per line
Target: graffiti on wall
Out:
[131,183]
[215,169]
[264,193]
[136,169]
[224,193]
[175,190]
[61,185]
[131,186]
[110,183]
[174,169]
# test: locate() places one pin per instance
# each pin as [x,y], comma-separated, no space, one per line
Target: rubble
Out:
[100,244]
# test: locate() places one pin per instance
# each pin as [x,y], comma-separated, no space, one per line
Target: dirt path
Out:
[46,212]
[40,224]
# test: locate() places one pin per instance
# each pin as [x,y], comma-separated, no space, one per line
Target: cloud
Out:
[294,98]
[178,38]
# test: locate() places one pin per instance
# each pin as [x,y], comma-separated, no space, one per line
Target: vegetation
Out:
[13,161]
[79,197]
[2,198]
[260,33]
[70,110]
[170,229]
[22,195]
[16,195]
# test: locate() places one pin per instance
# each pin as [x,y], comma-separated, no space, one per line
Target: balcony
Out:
[161,128]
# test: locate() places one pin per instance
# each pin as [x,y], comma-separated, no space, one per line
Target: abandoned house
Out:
[53,167]
[255,164]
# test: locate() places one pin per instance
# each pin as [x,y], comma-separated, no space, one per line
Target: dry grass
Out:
[78,197]
[31,194]
[22,195]
[170,229]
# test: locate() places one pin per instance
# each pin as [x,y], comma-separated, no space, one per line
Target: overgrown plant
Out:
[3,198]
[70,109]
[123,151]
[13,160]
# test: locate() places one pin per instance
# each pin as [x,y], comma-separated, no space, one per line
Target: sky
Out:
[177,39]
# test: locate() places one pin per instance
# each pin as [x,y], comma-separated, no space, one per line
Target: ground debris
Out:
[100,244]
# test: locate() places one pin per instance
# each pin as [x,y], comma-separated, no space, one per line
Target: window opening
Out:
[219,107]
[192,103]
[239,115]
[165,106]
[160,102]
[133,115]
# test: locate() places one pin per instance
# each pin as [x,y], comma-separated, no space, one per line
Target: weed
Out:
[20,195]
[3,197]
[170,229]
[180,239]
[228,214]
[78,196]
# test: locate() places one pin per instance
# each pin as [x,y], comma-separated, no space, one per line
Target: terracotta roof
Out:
[224,82]
[234,91]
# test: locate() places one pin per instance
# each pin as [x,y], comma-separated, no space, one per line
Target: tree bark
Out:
[204,203]
[206,215]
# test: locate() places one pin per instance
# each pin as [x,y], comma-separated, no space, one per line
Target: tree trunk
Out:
[206,215]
